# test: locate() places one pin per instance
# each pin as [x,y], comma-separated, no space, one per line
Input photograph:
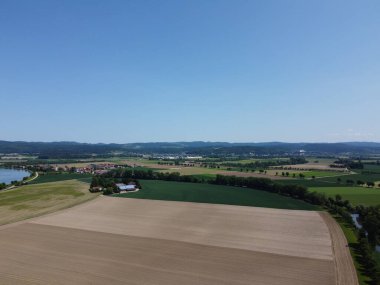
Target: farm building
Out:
[124,187]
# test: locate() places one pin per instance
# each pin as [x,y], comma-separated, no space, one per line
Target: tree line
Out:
[265,164]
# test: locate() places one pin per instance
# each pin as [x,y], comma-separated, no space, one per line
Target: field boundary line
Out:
[345,271]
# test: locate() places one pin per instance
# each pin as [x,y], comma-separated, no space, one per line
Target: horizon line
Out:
[193,141]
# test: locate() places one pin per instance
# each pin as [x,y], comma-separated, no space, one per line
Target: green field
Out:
[356,195]
[53,177]
[359,176]
[38,199]
[319,173]
[310,182]
[333,181]
[372,167]
[215,194]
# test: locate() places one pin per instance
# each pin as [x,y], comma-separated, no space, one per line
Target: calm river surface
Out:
[7,175]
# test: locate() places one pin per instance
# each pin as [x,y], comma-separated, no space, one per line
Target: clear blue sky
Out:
[127,71]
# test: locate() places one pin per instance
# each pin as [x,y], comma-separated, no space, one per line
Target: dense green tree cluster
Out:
[370,220]
[367,259]
[349,163]
[150,175]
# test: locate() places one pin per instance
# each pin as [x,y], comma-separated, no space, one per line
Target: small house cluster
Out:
[90,168]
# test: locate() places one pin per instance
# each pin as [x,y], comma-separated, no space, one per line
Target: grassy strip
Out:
[352,240]
[215,194]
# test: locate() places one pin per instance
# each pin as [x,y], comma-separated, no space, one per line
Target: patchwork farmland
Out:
[111,240]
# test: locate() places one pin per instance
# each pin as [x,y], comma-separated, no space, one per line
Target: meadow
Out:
[33,200]
[356,195]
[215,194]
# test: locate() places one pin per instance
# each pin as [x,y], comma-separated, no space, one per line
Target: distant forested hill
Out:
[74,149]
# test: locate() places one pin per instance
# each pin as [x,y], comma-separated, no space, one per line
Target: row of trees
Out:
[349,163]
[358,182]
[370,220]
[367,260]
[368,238]
[265,164]
[150,175]
[301,175]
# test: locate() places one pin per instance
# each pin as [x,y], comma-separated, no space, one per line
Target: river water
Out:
[355,218]
[7,175]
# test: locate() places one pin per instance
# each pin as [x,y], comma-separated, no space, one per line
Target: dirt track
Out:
[132,241]
[346,274]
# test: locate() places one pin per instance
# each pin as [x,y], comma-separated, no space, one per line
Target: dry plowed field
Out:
[133,241]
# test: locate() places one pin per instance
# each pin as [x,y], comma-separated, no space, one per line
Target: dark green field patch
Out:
[333,181]
[360,176]
[61,177]
[214,194]
[310,182]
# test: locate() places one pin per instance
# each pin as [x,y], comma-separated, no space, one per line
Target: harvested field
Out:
[133,241]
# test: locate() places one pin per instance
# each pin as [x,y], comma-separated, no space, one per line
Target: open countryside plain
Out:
[134,241]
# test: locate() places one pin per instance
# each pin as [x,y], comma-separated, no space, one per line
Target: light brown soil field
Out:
[57,255]
[288,232]
[132,241]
